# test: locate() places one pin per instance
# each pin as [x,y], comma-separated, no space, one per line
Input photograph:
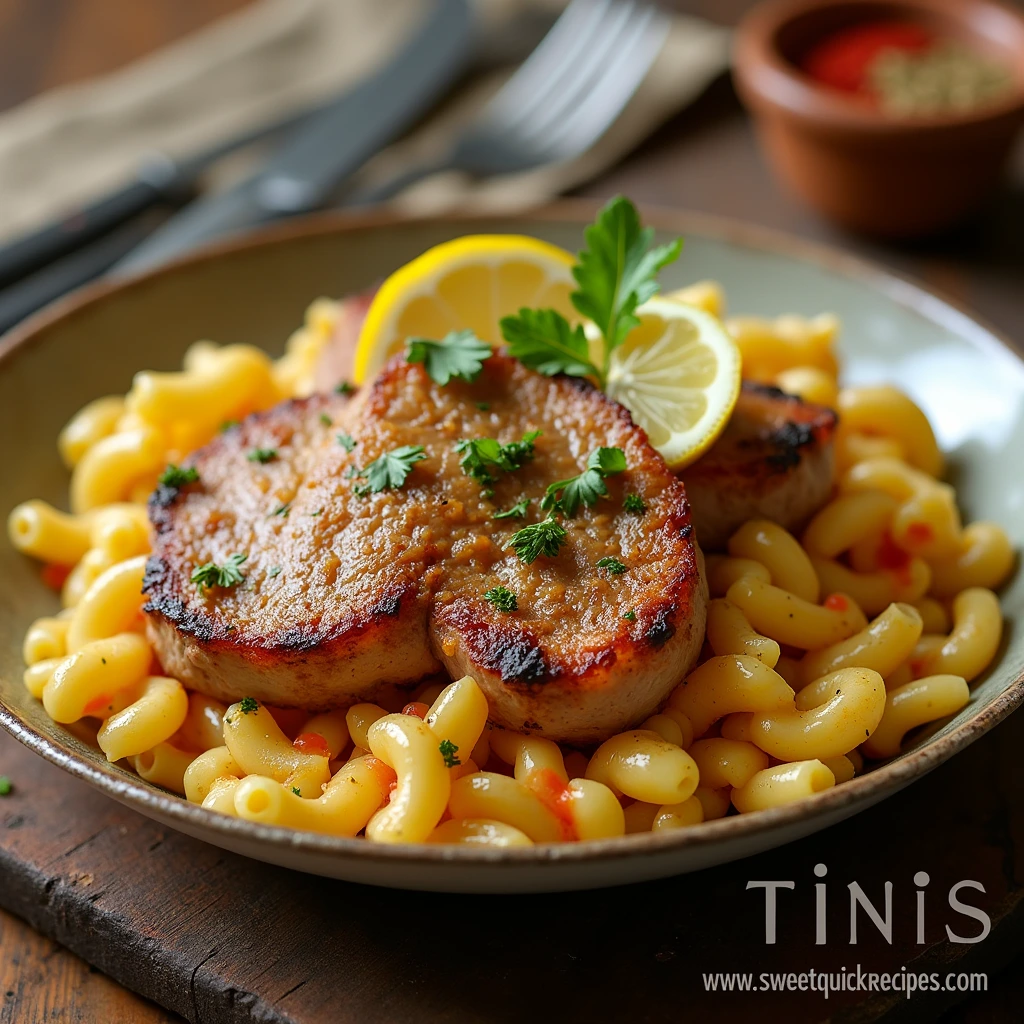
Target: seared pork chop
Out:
[773,461]
[346,595]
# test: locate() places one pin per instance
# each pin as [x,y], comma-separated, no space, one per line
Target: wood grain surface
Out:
[215,937]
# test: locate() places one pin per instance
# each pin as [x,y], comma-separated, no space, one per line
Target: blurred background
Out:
[101,97]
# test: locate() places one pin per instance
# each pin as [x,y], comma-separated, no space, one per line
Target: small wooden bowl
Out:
[893,178]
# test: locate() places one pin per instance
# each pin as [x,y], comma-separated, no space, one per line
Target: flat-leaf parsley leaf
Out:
[517,511]
[481,456]
[613,565]
[388,471]
[567,495]
[347,441]
[262,455]
[543,340]
[617,271]
[212,575]
[502,599]
[458,354]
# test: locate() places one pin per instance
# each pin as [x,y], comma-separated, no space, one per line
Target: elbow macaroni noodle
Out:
[797,687]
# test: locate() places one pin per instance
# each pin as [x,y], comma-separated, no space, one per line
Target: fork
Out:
[563,98]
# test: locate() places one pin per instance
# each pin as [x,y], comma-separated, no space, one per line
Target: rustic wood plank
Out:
[42,981]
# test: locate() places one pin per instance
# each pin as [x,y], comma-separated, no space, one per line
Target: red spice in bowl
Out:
[842,60]
[891,170]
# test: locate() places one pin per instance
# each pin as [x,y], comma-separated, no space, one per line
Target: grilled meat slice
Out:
[346,595]
[773,461]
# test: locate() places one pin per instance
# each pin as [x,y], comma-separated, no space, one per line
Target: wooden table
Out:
[546,955]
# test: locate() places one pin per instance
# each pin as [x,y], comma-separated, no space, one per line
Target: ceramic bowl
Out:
[970,383]
[884,177]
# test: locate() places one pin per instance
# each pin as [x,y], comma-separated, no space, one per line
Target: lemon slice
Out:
[678,373]
[470,282]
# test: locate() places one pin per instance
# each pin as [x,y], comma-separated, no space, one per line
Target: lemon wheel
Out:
[678,373]
[470,282]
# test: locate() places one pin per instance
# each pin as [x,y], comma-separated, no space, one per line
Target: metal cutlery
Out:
[564,97]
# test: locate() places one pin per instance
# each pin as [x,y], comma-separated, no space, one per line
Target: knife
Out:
[328,146]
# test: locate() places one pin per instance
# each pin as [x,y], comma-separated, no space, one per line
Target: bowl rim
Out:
[862,790]
[769,80]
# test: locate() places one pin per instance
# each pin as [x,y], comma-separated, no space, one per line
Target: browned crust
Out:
[773,461]
[515,660]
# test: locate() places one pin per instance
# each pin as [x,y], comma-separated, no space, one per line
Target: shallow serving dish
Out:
[970,383]
[893,178]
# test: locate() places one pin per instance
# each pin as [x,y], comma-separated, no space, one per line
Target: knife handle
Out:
[72,271]
[159,181]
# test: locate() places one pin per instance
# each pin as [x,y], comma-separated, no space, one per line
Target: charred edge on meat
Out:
[661,628]
[789,439]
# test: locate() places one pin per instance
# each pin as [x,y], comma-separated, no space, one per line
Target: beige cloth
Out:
[73,144]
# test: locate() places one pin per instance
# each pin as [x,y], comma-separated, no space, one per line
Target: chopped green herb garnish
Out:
[274,570]
[517,511]
[247,704]
[325,419]
[567,495]
[6,786]
[347,441]
[389,471]
[482,456]
[630,616]
[502,599]
[613,565]
[634,503]
[283,510]
[313,515]
[175,476]
[262,455]
[227,575]
[458,354]
[616,273]
[344,388]
[448,752]
[543,538]
[296,791]
[352,471]
[484,406]
[228,425]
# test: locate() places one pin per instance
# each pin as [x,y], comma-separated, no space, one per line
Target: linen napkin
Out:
[75,143]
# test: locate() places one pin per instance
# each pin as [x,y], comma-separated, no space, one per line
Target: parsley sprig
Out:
[458,354]
[448,752]
[388,471]
[612,564]
[482,456]
[176,476]
[615,273]
[566,496]
[543,538]
[212,575]
[262,455]
[632,502]
[502,598]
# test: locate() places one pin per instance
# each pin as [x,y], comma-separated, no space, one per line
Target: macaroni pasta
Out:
[795,690]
